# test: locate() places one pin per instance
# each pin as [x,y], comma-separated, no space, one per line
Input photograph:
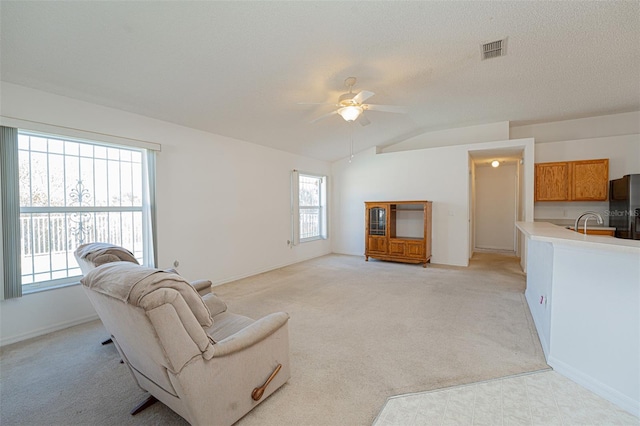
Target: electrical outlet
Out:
[543,301]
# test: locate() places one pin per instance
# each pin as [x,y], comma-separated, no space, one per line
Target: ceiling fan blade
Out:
[362,96]
[363,120]
[318,103]
[323,116]
[386,108]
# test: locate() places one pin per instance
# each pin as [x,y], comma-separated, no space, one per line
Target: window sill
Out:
[35,290]
[307,240]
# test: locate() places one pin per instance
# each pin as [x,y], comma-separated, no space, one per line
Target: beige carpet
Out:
[360,332]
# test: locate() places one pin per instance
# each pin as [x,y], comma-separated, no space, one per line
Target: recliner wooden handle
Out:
[257,393]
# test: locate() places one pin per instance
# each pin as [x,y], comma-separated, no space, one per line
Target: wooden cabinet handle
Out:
[257,393]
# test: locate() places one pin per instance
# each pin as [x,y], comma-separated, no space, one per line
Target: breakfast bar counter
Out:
[583,292]
[544,231]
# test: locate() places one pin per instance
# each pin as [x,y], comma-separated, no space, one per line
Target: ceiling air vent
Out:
[494,49]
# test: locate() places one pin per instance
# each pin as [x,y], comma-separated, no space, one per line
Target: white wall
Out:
[538,291]
[582,128]
[223,204]
[495,211]
[520,244]
[472,206]
[225,208]
[440,175]
[584,302]
[40,313]
[458,136]
[595,329]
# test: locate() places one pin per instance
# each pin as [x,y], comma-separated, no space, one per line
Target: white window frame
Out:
[146,238]
[297,209]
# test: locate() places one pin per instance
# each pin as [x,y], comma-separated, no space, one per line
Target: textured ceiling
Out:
[239,69]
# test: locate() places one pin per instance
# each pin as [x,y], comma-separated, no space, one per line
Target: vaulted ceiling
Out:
[240,69]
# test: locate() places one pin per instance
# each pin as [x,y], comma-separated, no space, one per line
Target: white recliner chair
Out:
[181,345]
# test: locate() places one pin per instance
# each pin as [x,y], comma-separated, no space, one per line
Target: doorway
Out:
[495,208]
[495,201]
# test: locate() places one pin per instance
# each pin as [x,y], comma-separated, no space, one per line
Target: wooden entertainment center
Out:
[398,231]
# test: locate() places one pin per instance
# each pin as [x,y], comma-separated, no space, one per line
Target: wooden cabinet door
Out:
[377,218]
[396,248]
[377,245]
[552,182]
[590,180]
[415,248]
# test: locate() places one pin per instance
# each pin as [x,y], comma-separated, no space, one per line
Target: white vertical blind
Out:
[149,216]
[10,213]
[295,208]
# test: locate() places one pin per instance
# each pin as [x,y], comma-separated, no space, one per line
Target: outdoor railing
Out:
[309,223]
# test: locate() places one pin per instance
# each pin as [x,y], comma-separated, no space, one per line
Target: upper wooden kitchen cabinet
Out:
[552,181]
[586,180]
[590,180]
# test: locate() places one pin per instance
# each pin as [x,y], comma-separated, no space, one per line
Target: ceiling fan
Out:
[351,106]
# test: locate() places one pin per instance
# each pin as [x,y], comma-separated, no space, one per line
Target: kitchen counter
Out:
[544,231]
[583,292]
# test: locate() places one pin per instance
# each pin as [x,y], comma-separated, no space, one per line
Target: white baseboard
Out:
[499,250]
[46,330]
[621,400]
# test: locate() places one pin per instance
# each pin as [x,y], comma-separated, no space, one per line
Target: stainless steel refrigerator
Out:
[624,206]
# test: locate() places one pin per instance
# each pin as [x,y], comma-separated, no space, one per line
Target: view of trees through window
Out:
[73,193]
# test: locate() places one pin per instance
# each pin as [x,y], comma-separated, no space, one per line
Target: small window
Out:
[312,207]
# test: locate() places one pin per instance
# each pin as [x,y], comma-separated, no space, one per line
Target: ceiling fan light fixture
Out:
[350,113]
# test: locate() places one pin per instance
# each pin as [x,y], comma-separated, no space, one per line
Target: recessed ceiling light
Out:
[495,163]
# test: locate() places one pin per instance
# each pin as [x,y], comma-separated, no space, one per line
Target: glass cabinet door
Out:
[377,221]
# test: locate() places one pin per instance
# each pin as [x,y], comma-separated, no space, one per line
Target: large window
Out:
[311,207]
[75,192]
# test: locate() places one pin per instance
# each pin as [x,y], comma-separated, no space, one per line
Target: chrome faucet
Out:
[588,214]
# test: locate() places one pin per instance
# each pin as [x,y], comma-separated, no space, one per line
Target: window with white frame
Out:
[311,207]
[74,192]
